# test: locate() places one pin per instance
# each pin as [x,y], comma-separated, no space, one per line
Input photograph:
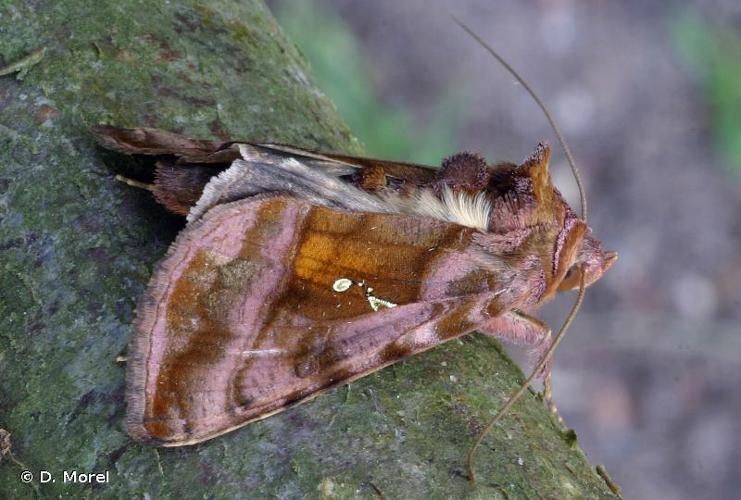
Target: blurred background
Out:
[649,95]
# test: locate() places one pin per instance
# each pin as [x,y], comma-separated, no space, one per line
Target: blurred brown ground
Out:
[648,377]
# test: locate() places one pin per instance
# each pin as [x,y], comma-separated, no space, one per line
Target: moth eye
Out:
[569,273]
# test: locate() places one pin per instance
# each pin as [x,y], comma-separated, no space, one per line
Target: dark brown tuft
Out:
[504,177]
[178,187]
[464,171]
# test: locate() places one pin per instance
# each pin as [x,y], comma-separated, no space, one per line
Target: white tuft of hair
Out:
[457,207]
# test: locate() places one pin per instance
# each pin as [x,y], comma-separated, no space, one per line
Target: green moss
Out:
[77,248]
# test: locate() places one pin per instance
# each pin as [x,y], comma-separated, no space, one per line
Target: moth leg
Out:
[522,329]
[134,183]
[548,394]
[518,328]
[176,187]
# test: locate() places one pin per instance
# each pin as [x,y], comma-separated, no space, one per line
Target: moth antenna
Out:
[583,202]
[541,105]
[538,369]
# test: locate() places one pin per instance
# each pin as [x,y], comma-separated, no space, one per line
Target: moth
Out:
[299,271]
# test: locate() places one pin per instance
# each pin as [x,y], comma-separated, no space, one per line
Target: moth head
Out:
[577,252]
[592,260]
[523,197]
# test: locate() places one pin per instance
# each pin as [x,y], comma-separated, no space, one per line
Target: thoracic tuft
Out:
[464,170]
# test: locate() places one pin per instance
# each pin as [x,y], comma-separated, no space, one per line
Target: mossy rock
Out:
[77,249]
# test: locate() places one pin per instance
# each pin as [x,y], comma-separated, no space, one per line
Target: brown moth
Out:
[300,271]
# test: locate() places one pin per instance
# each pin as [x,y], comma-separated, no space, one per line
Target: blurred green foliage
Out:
[714,54]
[343,73]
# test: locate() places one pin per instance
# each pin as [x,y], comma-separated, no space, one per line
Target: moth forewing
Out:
[244,317]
